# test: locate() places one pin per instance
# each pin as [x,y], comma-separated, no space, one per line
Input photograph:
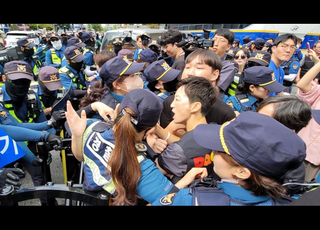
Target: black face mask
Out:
[28,52]
[76,66]
[64,40]
[17,92]
[89,43]
[45,90]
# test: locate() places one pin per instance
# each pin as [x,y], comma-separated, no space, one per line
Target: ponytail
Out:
[125,167]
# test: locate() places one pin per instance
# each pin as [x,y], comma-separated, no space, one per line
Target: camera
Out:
[10,54]
[197,41]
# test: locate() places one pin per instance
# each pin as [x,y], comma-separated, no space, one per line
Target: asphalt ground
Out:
[57,174]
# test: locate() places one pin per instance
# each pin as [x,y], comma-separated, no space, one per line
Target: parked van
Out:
[122,33]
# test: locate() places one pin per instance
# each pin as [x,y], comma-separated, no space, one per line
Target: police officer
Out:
[55,54]
[27,47]
[50,88]
[258,81]
[73,41]
[90,69]
[23,104]
[70,74]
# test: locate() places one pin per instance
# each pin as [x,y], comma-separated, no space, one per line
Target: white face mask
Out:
[57,45]
[136,84]
[36,41]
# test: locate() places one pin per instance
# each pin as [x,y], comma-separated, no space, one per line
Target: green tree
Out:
[95,27]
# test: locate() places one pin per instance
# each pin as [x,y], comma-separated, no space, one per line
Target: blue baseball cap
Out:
[73,53]
[259,42]
[147,55]
[26,42]
[50,77]
[246,39]
[75,41]
[160,70]
[256,141]
[262,76]
[261,57]
[146,104]
[117,66]
[85,36]
[15,70]
[127,52]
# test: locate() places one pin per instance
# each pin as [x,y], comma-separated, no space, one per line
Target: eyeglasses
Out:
[222,40]
[285,47]
[242,56]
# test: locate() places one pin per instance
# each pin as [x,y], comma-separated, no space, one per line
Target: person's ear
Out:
[115,85]
[195,107]
[3,77]
[251,88]
[242,173]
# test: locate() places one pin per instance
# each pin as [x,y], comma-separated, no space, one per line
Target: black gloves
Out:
[11,176]
[57,119]
[36,161]
[54,138]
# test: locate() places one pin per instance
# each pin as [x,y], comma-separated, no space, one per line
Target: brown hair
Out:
[125,167]
[103,56]
[256,183]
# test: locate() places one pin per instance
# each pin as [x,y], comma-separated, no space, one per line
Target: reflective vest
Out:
[54,57]
[60,92]
[233,86]
[41,53]
[37,66]
[75,79]
[96,153]
[93,66]
[244,101]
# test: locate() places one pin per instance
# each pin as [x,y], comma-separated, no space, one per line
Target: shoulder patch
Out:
[167,199]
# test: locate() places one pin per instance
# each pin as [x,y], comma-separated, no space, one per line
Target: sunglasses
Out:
[242,56]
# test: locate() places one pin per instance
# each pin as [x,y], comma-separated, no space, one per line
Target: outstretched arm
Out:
[305,83]
[77,127]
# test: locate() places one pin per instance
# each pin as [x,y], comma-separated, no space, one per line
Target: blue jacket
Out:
[97,148]
[59,53]
[235,192]
[67,81]
[249,103]
[278,74]
[22,113]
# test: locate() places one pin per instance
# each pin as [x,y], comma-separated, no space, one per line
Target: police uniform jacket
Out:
[238,197]
[66,80]
[22,112]
[48,58]
[248,103]
[229,69]
[97,148]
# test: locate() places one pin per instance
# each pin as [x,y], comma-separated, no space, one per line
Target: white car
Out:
[11,37]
